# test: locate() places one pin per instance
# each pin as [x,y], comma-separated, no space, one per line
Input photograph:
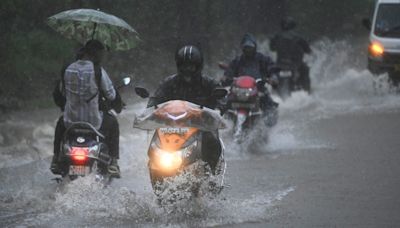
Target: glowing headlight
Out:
[243,94]
[376,49]
[172,159]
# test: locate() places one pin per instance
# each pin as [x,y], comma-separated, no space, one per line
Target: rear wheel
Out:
[304,81]
[305,84]
[386,83]
[394,79]
[284,88]
[239,128]
[380,84]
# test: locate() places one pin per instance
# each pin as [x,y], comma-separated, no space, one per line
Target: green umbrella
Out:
[86,24]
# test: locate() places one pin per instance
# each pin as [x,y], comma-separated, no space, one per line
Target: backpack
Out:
[104,104]
[58,97]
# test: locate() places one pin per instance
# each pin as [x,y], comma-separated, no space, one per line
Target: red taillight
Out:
[79,155]
[242,111]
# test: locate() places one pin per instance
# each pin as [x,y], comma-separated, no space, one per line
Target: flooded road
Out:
[332,160]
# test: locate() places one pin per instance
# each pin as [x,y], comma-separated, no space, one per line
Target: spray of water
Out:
[339,86]
[28,197]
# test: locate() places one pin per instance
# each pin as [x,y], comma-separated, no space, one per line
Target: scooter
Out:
[83,150]
[176,148]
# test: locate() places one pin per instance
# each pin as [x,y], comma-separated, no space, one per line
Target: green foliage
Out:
[32,54]
[35,58]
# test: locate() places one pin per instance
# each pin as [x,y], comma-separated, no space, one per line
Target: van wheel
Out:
[394,79]
[381,84]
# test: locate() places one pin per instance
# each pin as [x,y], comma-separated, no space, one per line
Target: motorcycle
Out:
[243,105]
[290,79]
[83,150]
[176,147]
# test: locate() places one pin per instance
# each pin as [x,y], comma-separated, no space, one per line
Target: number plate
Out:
[243,105]
[80,170]
[285,74]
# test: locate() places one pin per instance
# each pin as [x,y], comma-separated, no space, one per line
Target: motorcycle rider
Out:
[290,48]
[190,85]
[260,67]
[79,95]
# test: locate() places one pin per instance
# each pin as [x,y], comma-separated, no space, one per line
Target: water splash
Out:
[340,86]
[28,198]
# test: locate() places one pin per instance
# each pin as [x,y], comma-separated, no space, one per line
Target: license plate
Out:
[243,105]
[285,74]
[397,67]
[80,170]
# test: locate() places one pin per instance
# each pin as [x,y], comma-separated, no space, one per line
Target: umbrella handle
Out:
[94,30]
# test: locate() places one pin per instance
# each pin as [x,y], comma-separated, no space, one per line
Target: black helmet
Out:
[288,23]
[189,54]
[189,62]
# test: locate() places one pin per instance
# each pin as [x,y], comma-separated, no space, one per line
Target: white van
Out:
[384,47]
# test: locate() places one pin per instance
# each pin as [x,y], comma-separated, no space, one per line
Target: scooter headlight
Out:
[243,94]
[169,160]
[172,159]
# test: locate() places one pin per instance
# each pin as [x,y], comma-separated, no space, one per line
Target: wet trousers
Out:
[211,149]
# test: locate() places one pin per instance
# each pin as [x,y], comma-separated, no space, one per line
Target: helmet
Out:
[288,23]
[189,61]
[189,54]
[248,40]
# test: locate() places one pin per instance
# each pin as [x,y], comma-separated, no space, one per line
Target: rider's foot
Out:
[113,168]
[271,116]
[54,167]
[275,104]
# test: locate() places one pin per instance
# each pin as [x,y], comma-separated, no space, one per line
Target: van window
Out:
[387,22]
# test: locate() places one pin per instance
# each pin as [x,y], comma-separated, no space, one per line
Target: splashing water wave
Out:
[28,197]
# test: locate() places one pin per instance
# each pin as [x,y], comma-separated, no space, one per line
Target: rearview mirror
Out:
[367,23]
[219,93]
[126,81]
[142,92]
[223,66]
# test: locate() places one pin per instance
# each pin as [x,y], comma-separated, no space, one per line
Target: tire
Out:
[284,88]
[394,79]
[305,84]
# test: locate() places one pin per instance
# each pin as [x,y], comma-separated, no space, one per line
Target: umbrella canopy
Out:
[86,24]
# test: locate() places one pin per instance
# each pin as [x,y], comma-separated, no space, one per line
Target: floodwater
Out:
[253,192]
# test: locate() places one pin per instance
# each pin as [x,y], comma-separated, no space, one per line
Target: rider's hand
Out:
[273,80]
[261,84]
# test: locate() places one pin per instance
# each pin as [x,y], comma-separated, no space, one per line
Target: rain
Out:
[331,159]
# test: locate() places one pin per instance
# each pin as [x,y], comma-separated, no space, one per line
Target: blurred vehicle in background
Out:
[384,46]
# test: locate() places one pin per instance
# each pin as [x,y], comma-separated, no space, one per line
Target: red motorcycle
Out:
[243,106]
